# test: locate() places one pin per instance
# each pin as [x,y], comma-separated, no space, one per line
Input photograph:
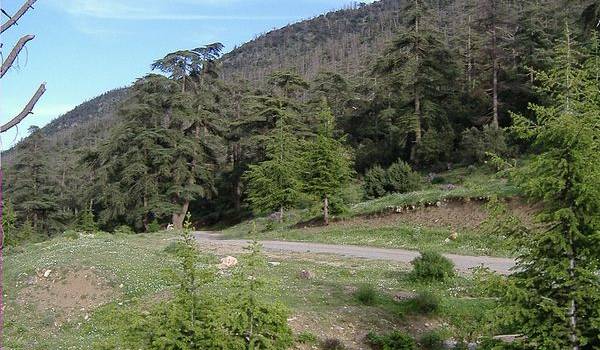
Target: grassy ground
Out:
[126,273]
[377,222]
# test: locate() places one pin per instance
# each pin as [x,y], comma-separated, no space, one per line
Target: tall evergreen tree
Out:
[32,191]
[275,183]
[327,167]
[556,303]
[418,69]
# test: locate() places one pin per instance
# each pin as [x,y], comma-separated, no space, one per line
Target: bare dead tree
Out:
[27,110]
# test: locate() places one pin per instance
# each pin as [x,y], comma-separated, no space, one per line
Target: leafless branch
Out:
[14,53]
[26,111]
[26,6]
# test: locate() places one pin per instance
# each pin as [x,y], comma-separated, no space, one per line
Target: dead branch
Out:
[13,20]
[26,111]
[14,53]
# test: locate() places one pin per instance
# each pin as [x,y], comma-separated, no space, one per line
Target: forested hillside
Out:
[429,83]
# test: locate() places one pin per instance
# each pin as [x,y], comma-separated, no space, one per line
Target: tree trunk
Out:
[494,68]
[281,215]
[179,217]
[413,150]
[573,303]
[326,210]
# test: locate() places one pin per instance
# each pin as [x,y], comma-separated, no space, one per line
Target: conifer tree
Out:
[327,167]
[418,69]
[275,183]
[556,303]
[32,191]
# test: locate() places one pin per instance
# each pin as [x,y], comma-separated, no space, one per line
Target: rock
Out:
[447,240]
[31,280]
[47,273]
[121,285]
[170,227]
[404,295]
[274,263]
[306,275]
[227,262]
[453,236]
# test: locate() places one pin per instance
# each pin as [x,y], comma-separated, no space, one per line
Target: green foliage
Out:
[554,296]
[375,181]
[435,148]
[71,234]
[275,184]
[401,178]
[366,294]
[123,230]
[426,303]
[9,219]
[476,144]
[431,267]
[86,222]
[327,166]
[393,341]
[153,226]
[398,178]
[306,337]
[433,340]
[197,319]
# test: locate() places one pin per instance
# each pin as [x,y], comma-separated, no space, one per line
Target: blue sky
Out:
[86,47]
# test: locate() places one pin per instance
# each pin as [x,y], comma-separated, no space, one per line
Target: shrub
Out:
[401,178]
[333,344]
[433,340]
[71,234]
[393,341]
[426,303]
[435,147]
[86,222]
[432,266]
[123,230]
[438,180]
[375,182]
[366,294]
[306,337]
[153,226]
[476,143]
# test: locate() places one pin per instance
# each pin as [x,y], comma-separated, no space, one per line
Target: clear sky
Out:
[86,47]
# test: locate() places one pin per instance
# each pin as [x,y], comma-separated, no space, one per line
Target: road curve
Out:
[462,262]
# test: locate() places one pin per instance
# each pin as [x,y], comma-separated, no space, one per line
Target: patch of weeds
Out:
[432,266]
[426,303]
[71,234]
[306,337]
[174,248]
[433,340]
[154,226]
[366,295]
[123,230]
[332,344]
[393,341]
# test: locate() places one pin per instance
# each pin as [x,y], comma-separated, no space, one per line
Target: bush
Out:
[401,178]
[392,341]
[435,147]
[86,222]
[71,234]
[153,226]
[366,294]
[433,340]
[432,266]
[123,230]
[375,182]
[476,143]
[426,303]
[306,337]
[398,178]
[333,344]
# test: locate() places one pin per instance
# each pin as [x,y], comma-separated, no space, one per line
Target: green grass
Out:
[137,261]
[421,238]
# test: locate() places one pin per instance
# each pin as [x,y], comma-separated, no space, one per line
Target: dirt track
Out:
[462,262]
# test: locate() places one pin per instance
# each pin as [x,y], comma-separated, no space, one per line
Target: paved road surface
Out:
[462,262]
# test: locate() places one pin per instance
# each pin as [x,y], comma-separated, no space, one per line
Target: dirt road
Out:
[462,262]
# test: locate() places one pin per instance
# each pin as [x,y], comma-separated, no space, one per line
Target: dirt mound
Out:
[453,215]
[66,294]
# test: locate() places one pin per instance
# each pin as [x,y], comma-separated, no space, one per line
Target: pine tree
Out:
[418,71]
[327,167]
[32,190]
[556,303]
[275,184]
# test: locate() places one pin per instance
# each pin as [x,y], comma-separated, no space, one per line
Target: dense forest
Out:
[406,85]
